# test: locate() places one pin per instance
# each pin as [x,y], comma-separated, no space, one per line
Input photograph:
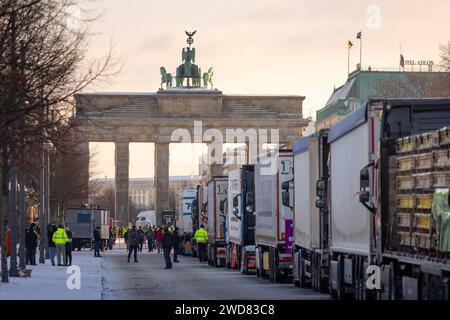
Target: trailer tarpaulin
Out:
[441,214]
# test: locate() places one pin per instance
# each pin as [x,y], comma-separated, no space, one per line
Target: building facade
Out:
[142,190]
[364,85]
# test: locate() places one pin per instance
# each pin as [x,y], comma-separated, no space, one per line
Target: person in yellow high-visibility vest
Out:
[201,237]
[60,239]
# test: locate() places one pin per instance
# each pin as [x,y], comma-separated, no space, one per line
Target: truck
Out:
[83,221]
[389,182]
[199,213]
[241,220]
[274,217]
[188,196]
[311,220]
[217,189]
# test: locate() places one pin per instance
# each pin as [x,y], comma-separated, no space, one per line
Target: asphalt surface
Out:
[187,280]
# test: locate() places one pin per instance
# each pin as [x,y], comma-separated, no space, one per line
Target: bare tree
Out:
[43,63]
[445,55]
[414,85]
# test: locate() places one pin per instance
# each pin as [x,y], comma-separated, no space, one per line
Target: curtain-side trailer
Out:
[311,220]
[366,210]
[241,220]
[274,219]
[217,190]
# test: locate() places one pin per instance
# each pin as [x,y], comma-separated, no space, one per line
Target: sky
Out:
[259,46]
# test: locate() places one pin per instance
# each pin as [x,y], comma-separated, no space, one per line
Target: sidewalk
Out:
[49,283]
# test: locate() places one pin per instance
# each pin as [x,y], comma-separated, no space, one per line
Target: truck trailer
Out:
[311,219]
[188,196]
[274,217]
[241,220]
[83,221]
[383,213]
[217,190]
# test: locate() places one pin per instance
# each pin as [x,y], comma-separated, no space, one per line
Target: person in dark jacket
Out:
[167,244]
[176,244]
[133,243]
[97,242]
[31,242]
[68,261]
[141,238]
[51,245]
[151,239]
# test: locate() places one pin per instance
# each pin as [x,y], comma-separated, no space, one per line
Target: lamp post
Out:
[43,217]
[13,272]
[22,217]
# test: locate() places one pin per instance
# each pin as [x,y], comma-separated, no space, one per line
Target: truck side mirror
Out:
[364,183]
[250,198]
[320,204]
[236,201]
[285,199]
[364,178]
[320,188]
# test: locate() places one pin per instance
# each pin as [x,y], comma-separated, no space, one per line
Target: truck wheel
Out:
[276,269]
[301,275]
[340,286]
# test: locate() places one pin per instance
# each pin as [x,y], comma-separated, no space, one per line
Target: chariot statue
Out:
[188,70]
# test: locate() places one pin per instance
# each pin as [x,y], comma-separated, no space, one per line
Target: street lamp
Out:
[43,203]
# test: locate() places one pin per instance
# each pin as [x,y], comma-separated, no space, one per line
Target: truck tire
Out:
[341,294]
[301,268]
[276,269]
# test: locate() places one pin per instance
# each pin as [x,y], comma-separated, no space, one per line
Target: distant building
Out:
[142,190]
[364,85]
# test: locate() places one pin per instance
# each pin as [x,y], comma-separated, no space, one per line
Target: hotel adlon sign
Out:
[419,62]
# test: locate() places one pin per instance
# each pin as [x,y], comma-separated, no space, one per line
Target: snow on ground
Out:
[49,282]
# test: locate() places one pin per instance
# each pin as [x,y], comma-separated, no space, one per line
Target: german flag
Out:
[350,44]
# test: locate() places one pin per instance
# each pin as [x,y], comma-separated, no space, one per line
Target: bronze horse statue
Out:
[165,78]
[207,78]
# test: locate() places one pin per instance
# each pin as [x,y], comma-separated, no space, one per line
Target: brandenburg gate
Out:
[158,117]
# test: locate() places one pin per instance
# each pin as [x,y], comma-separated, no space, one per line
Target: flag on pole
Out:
[402,61]
[350,44]
[359,35]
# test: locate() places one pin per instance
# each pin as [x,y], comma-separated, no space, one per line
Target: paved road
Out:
[187,280]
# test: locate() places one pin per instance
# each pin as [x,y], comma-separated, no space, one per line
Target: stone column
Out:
[122,183]
[82,153]
[215,159]
[161,179]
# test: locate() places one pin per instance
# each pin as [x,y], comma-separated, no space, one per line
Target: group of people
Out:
[158,238]
[59,244]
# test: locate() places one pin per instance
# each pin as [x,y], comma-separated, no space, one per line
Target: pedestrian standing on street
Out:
[69,247]
[159,237]
[97,242]
[176,244]
[201,237]
[141,238]
[111,239]
[51,245]
[150,239]
[167,244]
[31,242]
[133,243]
[125,237]
[60,239]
